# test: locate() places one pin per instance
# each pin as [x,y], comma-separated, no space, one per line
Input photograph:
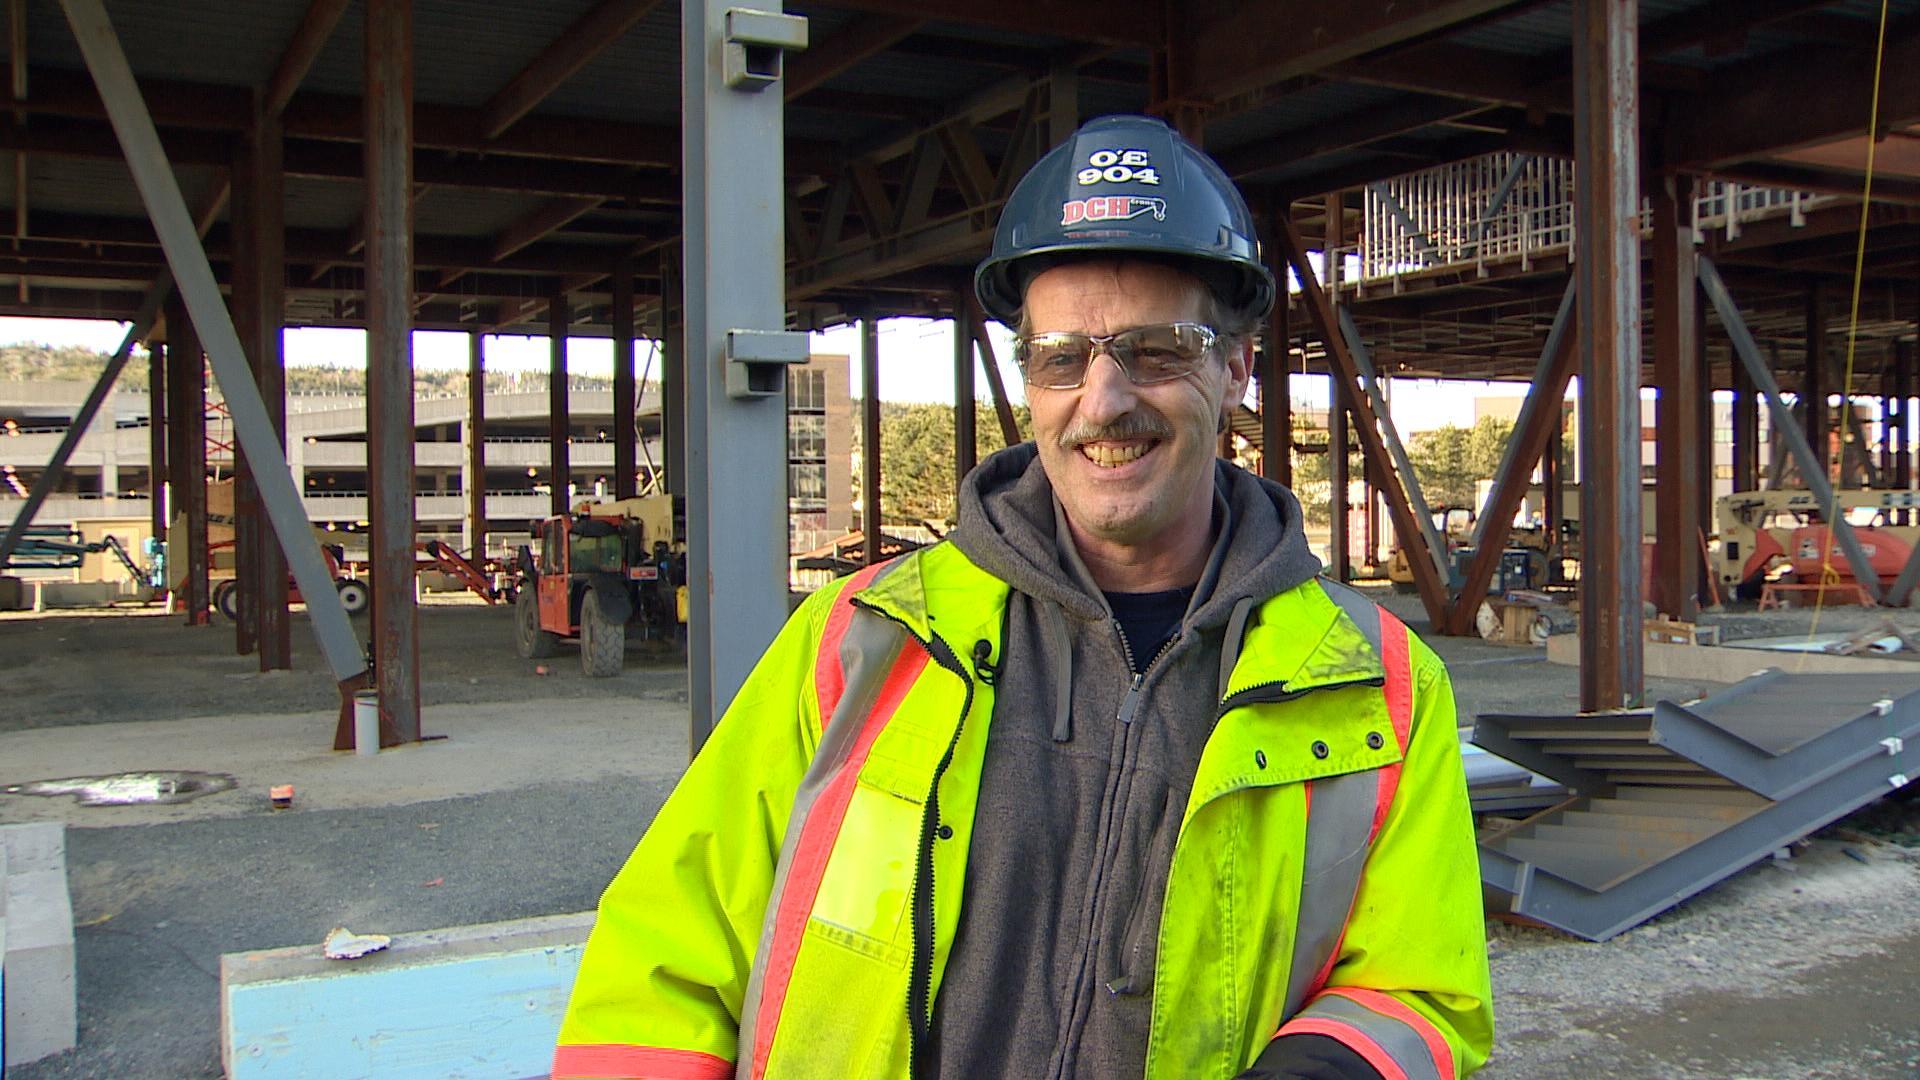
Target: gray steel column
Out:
[1607,293]
[673,370]
[736,445]
[475,488]
[390,434]
[624,401]
[1681,440]
[559,418]
[187,262]
[1276,393]
[966,421]
[187,460]
[157,438]
[870,524]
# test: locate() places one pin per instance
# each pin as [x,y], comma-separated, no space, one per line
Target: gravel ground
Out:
[136,664]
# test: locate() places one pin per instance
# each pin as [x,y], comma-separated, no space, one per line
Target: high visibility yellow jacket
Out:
[790,911]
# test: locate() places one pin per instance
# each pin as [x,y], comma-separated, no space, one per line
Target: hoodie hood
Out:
[1010,525]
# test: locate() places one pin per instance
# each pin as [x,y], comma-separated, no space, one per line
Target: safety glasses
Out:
[1057,360]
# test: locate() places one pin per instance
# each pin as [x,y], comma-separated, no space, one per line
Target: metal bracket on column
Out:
[193,275]
[756,42]
[1403,465]
[1796,439]
[757,361]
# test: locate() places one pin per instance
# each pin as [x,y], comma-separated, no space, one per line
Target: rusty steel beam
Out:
[625,403]
[243,281]
[316,26]
[1350,132]
[585,38]
[187,461]
[870,525]
[1426,576]
[1746,431]
[157,438]
[861,39]
[1535,437]
[1607,292]
[539,224]
[1120,22]
[1276,390]
[990,367]
[966,422]
[559,421]
[475,488]
[389,120]
[1681,440]
[673,370]
[260,216]
[1340,483]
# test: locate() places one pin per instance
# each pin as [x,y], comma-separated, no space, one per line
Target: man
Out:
[1109,784]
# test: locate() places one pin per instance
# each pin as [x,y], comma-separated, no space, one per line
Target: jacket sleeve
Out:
[1409,989]
[665,970]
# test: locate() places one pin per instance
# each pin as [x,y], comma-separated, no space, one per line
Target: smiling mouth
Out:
[1113,455]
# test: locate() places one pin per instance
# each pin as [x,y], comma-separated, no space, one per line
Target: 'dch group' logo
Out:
[1112,208]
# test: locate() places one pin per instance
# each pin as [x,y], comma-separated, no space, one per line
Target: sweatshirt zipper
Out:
[920,973]
[1269,693]
[1130,703]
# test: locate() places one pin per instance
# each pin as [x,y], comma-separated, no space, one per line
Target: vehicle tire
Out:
[227,600]
[603,642]
[354,595]
[531,642]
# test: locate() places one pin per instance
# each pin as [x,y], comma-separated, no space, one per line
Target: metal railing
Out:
[1513,207]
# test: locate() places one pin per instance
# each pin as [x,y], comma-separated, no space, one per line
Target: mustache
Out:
[1134,425]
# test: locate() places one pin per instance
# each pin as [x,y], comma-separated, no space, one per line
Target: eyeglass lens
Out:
[1147,354]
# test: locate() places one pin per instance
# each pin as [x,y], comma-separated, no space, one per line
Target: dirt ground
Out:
[1798,969]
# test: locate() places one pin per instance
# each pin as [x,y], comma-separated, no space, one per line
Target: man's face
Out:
[1129,462]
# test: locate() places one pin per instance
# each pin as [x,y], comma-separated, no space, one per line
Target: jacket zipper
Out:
[920,973]
[1130,704]
[1269,693]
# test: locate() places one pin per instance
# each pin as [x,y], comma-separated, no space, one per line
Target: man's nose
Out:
[1108,392]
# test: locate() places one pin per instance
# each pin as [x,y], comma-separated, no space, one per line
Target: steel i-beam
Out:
[737,352]
[194,276]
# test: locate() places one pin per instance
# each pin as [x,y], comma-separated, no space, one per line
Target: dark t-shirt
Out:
[1148,619]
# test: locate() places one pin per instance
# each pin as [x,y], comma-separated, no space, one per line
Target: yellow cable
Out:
[1853,324]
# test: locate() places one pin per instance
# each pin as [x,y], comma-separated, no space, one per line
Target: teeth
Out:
[1110,457]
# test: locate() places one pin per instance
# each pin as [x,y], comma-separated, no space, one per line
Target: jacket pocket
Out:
[863,897]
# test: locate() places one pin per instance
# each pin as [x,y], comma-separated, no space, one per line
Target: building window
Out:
[807,390]
[807,437]
[807,486]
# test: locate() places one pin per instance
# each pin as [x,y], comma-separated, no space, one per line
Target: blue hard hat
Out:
[1126,186]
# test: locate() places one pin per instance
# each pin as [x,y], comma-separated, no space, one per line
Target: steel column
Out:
[1813,385]
[1276,395]
[1679,439]
[1902,418]
[1746,430]
[1796,441]
[178,235]
[258,211]
[246,504]
[870,524]
[1535,437]
[735,283]
[157,456]
[559,418]
[475,489]
[1553,478]
[966,422]
[1396,450]
[390,434]
[673,370]
[187,462]
[1607,293]
[625,403]
[1339,559]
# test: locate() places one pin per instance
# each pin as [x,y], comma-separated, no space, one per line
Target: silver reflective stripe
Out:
[867,653]
[1338,826]
[1396,1037]
[1364,613]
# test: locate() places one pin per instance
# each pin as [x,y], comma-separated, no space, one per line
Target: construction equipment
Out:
[591,574]
[1523,563]
[53,547]
[355,594]
[1763,531]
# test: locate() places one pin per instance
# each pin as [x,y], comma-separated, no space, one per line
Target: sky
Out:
[916,361]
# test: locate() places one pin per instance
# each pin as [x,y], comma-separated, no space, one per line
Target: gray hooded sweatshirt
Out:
[1087,772]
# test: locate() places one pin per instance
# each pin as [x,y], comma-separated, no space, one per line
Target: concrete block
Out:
[467,1001]
[36,956]
[78,594]
[13,594]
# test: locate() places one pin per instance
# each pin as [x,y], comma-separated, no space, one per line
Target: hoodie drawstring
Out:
[1059,644]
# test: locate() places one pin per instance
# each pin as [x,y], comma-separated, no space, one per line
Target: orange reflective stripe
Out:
[604,1060]
[1388,1005]
[1396,657]
[817,837]
[829,681]
[1353,1039]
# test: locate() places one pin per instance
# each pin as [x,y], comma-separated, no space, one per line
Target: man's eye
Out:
[1056,359]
